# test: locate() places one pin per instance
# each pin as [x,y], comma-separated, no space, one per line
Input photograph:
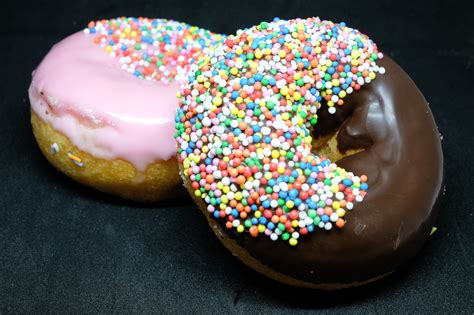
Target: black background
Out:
[65,247]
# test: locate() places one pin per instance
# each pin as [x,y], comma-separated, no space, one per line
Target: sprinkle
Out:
[244,126]
[54,148]
[75,159]
[153,49]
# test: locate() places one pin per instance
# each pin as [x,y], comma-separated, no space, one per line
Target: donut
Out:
[103,103]
[314,157]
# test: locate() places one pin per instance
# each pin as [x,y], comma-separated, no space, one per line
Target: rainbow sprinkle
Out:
[243,126]
[153,49]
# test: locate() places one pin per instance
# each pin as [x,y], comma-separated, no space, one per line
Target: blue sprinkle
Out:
[293,194]
[298,202]
[266,203]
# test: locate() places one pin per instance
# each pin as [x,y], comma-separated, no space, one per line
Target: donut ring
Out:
[100,95]
[305,69]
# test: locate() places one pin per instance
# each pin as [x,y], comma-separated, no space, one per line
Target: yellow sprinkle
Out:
[282,54]
[233,71]
[186,163]
[238,195]
[294,223]
[290,204]
[258,54]
[261,228]
[296,96]
[258,214]
[293,241]
[197,193]
[240,228]
[74,157]
[275,154]
[225,190]
[341,212]
[284,90]
[336,205]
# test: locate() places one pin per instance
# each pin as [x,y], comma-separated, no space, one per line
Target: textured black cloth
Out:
[65,247]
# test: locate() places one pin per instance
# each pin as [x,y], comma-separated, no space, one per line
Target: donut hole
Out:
[325,133]
[326,146]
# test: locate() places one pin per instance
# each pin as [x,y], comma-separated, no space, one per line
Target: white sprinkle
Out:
[54,148]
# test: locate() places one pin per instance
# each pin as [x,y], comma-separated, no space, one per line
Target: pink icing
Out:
[105,111]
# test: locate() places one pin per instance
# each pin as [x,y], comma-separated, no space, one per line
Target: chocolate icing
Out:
[403,160]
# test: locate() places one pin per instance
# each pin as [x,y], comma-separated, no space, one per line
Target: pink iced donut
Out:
[103,95]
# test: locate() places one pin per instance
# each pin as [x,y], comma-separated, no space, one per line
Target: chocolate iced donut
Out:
[384,130]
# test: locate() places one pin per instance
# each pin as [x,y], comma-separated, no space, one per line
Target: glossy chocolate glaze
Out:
[403,160]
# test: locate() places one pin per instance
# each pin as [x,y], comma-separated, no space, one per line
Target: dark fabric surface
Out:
[64,247]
